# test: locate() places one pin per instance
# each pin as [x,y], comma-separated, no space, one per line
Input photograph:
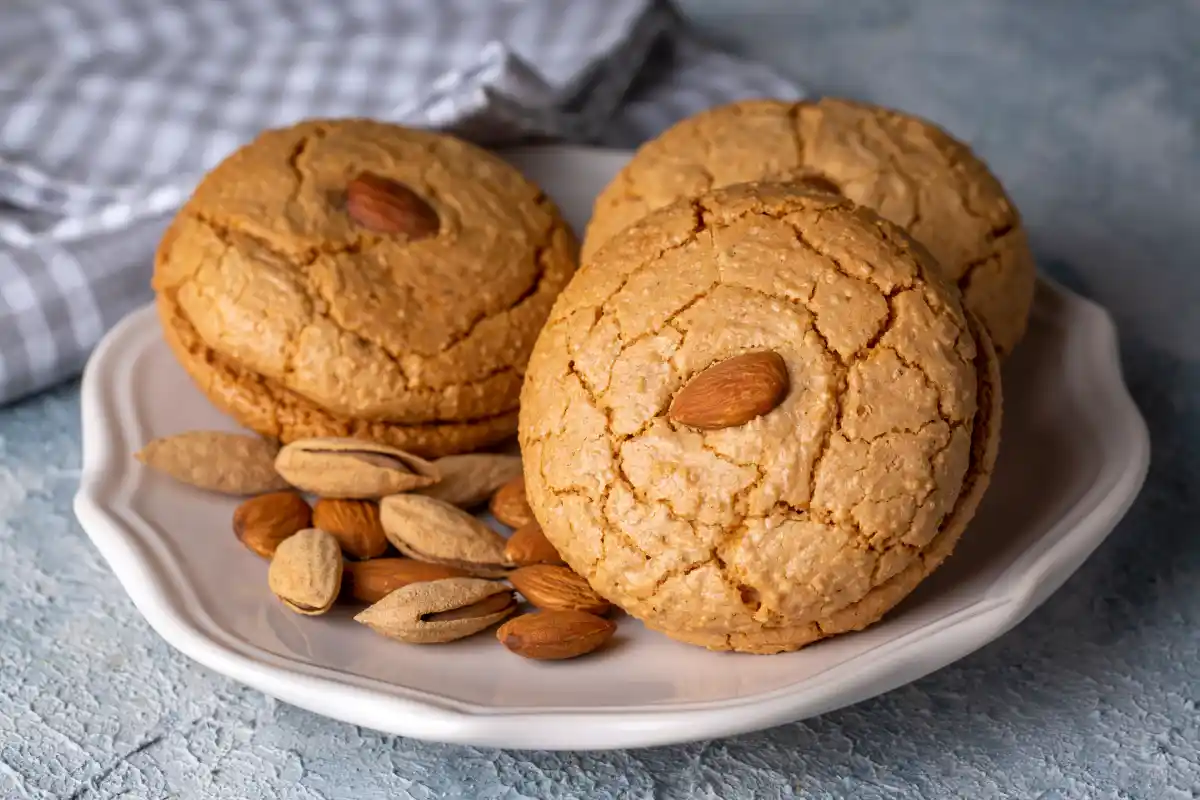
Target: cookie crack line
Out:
[835,426]
[933,457]
[937,389]
[918,217]
[733,583]
[898,148]
[668,322]
[971,267]
[297,152]
[639,494]
[817,514]
[708,448]
[633,545]
[952,427]
[837,265]
[224,231]
[679,571]
[594,400]
[793,118]
[535,286]
[920,429]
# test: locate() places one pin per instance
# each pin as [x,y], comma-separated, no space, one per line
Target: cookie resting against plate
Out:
[758,418]
[354,278]
[904,167]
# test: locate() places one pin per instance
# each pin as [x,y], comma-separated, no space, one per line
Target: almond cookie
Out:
[758,502]
[905,168]
[354,278]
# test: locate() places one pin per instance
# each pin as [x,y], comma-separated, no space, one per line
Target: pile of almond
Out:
[392,531]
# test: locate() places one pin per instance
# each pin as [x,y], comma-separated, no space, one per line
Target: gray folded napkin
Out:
[111,110]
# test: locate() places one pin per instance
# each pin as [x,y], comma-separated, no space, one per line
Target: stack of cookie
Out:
[353,278]
[768,404]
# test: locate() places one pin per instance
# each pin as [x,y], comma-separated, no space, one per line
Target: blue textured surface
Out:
[1089,111]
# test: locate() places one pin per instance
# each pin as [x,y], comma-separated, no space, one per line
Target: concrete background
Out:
[1088,110]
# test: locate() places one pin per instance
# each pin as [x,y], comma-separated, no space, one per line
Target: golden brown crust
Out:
[274,411]
[810,520]
[907,169]
[374,331]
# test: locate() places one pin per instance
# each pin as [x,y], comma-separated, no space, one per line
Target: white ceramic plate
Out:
[1074,454]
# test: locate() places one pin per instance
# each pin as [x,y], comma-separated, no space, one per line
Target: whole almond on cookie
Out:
[262,522]
[306,571]
[555,635]
[354,523]
[352,468]
[732,392]
[510,506]
[528,545]
[440,611]
[469,480]
[371,581]
[434,531]
[386,206]
[230,463]
[557,588]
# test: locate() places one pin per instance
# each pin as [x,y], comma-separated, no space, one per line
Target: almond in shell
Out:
[557,588]
[352,468]
[354,523]
[469,480]
[431,530]
[510,506]
[555,635]
[262,522]
[732,392]
[529,545]
[371,581]
[306,571]
[230,463]
[440,611]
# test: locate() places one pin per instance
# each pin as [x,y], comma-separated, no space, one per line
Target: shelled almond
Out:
[449,581]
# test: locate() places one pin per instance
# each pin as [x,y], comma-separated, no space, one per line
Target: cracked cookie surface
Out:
[813,519]
[905,168]
[298,321]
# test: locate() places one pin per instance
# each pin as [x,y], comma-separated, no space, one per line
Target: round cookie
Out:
[810,520]
[905,168]
[351,277]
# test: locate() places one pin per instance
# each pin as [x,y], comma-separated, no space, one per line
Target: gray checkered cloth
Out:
[111,110]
